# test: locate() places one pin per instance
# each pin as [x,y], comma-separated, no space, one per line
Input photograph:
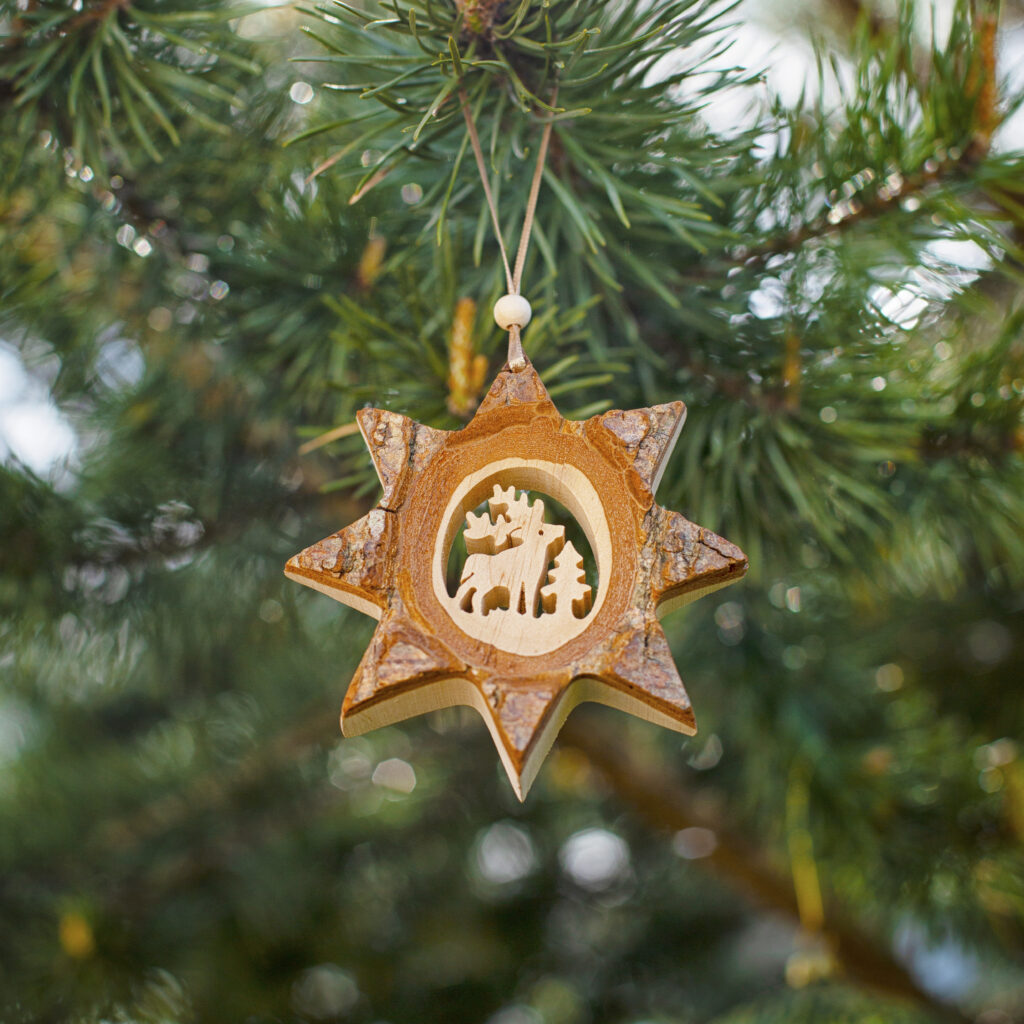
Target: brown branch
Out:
[982,83]
[852,11]
[315,727]
[792,371]
[664,807]
[664,803]
[861,208]
[17,25]
[20,23]
[652,793]
[95,13]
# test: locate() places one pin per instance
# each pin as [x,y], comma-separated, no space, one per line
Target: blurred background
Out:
[225,227]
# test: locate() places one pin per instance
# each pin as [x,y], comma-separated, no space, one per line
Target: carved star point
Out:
[421,657]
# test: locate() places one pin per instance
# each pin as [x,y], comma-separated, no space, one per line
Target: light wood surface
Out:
[557,643]
[508,568]
[528,545]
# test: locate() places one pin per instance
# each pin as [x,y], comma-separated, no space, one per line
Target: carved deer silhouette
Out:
[508,560]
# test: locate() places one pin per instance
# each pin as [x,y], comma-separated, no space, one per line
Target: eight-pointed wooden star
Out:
[524,681]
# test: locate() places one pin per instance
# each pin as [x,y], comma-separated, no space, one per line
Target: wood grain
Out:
[522,673]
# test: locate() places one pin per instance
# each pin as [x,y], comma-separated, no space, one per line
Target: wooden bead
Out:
[512,311]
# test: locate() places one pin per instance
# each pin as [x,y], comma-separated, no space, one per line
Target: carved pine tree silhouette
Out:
[567,593]
[507,558]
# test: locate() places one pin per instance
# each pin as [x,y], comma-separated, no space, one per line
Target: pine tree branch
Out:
[982,85]
[91,13]
[983,82]
[99,82]
[733,386]
[664,803]
[214,789]
[94,13]
[852,11]
[17,24]
[884,199]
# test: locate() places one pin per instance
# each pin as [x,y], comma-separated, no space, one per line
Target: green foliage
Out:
[93,76]
[835,1005]
[694,236]
[600,63]
[833,288]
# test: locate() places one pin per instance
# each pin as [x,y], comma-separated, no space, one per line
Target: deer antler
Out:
[501,499]
[479,532]
[517,510]
[484,537]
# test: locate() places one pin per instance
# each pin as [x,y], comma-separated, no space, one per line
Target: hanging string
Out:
[517,313]
[474,140]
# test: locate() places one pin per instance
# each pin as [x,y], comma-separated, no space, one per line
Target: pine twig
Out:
[315,726]
[881,201]
[982,84]
[665,804]
[95,13]
[792,371]
[17,24]
[852,11]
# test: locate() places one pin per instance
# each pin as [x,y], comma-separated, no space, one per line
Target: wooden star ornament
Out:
[524,638]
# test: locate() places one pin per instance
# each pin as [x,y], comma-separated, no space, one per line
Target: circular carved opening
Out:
[565,562]
[521,556]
